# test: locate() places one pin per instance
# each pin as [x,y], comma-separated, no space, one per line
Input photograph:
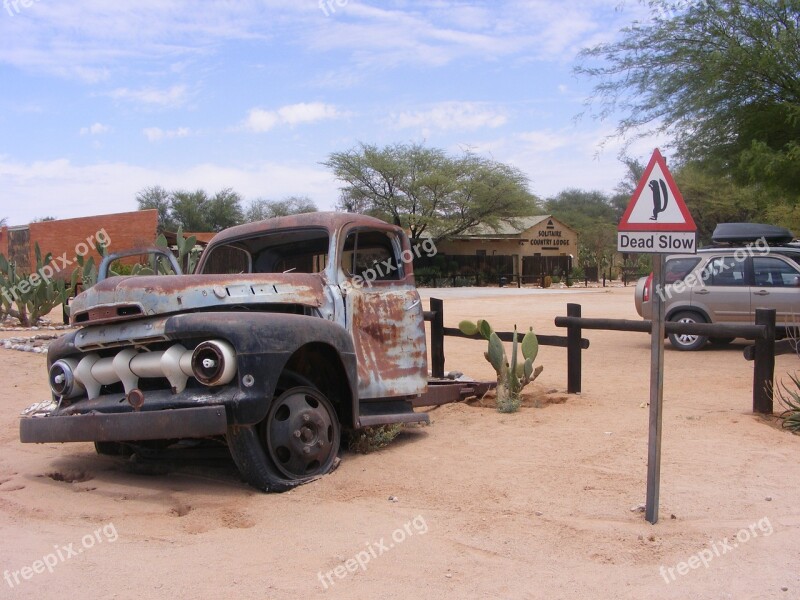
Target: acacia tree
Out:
[426,191]
[722,77]
[193,211]
[267,209]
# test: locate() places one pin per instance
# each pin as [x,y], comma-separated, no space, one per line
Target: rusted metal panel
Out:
[118,427]
[447,391]
[125,298]
[376,420]
[389,338]
[332,221]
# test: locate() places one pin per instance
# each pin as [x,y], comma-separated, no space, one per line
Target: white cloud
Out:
[64,189]
[462,116]
[307,112]
[170,97]
[155,134]
[259,120]
[95,129]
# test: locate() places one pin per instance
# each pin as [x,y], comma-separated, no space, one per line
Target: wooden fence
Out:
[763,332]
[572,342]
[763,352]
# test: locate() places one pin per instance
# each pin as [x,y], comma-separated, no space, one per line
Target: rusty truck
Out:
[287,332]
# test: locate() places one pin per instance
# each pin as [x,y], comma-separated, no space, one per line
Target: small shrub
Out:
[548,281]
[370,439]
[790,398]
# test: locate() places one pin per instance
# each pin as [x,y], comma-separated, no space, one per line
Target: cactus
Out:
[188,255]
[511,376]
[33,295]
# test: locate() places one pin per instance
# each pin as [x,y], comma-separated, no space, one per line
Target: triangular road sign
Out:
[657,204]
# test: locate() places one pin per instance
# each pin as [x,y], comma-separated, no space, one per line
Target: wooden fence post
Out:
[437,338]
[764,366]
[574,351]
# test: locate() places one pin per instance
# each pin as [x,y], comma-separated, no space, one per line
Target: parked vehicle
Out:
[290,330]
[750,267]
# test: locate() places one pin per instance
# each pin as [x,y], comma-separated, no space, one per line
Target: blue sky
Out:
[102,99]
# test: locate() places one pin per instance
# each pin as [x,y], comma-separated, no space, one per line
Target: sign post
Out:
[656,222]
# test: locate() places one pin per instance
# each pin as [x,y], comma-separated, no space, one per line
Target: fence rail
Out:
[763,332]
[763,352]
[573,344]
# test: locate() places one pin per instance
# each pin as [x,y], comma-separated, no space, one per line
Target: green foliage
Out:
[370,439]
[86,271]
[790,398]
[197,211]
[188,253]
[425,190]
[29,297]
[594,216]
[713,199]
[193,211]
[512,375]
[262,209]
[720,78]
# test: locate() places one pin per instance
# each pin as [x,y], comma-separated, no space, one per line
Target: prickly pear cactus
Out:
[512,375]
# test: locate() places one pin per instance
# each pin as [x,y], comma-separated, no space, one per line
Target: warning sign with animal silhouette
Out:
[657,220]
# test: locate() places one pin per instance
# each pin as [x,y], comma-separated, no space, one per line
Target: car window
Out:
[724,270]
[773,272]
[678,268]
[370,255]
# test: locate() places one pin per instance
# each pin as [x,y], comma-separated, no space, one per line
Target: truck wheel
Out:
[113,449]
[685,341]
[297,441]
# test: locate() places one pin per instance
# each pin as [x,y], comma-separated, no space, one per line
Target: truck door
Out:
[383,313]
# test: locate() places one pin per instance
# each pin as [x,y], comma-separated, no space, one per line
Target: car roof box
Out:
[739,233]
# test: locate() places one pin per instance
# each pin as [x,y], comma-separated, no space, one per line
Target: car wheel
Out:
[296,442]
[685,341]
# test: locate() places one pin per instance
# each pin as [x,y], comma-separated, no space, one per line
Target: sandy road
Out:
[531,505]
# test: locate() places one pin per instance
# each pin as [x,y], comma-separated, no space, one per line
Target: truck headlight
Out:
[62,379]
[214,362]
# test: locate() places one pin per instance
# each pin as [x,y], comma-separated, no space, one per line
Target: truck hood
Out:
[127,297]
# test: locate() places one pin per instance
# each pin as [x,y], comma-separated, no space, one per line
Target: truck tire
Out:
[296,442]
[113,449]
[685,341]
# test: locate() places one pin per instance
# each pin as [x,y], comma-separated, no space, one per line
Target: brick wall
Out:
[81,235]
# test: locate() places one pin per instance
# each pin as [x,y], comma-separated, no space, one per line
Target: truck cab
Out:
[289,330]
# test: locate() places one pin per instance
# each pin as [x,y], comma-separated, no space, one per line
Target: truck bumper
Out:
[131,426]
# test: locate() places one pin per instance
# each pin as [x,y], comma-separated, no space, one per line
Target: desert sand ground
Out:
[536,504]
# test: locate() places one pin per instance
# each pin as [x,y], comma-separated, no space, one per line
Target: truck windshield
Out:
[295,250]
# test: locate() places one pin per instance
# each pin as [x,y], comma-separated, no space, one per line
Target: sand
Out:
[536,504]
